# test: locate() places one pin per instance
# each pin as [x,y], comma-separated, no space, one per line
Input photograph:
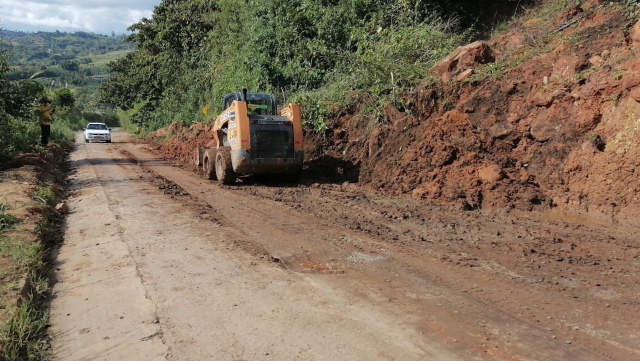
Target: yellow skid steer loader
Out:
[252,137]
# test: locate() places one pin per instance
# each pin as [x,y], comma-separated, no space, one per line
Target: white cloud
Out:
[99,16]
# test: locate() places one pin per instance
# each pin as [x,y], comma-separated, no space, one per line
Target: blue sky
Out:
[98,16]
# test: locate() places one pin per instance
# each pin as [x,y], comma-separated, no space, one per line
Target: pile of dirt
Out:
[544,115]
[178,141]
[556,127]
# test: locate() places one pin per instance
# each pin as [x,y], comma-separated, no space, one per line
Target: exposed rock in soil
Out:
[634,34]
[462,58]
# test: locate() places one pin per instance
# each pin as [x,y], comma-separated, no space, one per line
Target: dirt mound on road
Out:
[542,116]
[553,122]
[178,141]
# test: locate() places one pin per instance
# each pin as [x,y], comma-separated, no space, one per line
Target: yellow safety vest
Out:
[44,114]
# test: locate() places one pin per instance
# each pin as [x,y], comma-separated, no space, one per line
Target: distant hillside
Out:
[58,59]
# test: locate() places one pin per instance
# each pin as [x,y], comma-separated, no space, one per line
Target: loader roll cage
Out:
[257,103]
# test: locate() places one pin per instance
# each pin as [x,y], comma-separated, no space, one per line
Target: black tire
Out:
[86,140]
[108,141]
[209,164]
[224,167]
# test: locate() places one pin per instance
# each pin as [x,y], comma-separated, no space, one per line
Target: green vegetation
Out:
[25,255]
[21,336]
[18,338]
[67,68]
[632,7]
[6,220]
[19,95]
[323,54]
[45,195]
[22,134]
[18,125]
[103,59]
[57,59]
[23,333]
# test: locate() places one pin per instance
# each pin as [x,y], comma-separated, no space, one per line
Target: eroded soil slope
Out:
[542,116]
[549,120]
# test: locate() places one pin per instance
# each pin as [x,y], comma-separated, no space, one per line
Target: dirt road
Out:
[158,263]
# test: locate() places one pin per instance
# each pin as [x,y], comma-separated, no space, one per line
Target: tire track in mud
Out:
[499,312]
[363,322]
[546,309]
[283,229]
[546,312]
[534,312]
[206,211]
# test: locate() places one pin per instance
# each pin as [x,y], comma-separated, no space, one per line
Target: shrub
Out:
[64,97]
[314,111]
[17,136]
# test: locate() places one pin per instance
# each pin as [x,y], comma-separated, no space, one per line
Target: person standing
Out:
[45,113]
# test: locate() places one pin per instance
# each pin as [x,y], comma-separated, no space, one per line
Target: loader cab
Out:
[257,103]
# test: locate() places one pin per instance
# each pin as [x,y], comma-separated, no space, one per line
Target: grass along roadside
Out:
[29,229]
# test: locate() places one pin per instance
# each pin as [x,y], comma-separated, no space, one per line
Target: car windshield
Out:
[259,104]
[97,126]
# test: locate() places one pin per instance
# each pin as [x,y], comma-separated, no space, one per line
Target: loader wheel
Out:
[209,164]
[224,167]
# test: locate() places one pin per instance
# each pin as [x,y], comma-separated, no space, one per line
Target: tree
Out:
[64,97]
[192,51]
[70,65]
[177,30]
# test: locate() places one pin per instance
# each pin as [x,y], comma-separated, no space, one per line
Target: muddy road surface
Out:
[158,264]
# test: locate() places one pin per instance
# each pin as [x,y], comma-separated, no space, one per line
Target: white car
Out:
[95,132]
